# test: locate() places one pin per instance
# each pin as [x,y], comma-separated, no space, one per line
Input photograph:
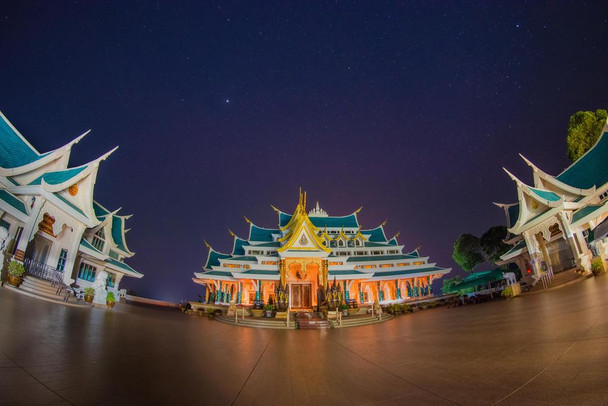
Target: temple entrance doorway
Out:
[301,296]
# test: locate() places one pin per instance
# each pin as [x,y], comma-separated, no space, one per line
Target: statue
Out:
[100,287]
[509,277]
[232,308]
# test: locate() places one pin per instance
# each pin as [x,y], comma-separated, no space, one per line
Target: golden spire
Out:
[304,206]
[359,209]
[231,233]
[247,220]
[383,223]
[397,234]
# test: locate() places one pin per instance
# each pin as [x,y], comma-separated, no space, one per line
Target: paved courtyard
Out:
[547,348]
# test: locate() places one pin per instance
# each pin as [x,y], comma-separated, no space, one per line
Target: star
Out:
[227,101]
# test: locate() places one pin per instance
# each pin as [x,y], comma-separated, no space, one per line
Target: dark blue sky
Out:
[408,109]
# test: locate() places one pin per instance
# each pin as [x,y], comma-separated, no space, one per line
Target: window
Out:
[336,263]
[87,272]
[111,281]
[419,263]
[62,257]
[98,240]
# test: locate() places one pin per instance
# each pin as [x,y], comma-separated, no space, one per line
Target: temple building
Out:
[310,251]
[50,221]
[559,222]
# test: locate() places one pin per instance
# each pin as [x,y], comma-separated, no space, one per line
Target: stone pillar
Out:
[583,262]
[30,229]
[534,250]
[68,270]
[258,284]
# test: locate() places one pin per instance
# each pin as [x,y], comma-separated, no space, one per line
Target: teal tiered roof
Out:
[589,170]
[15,151]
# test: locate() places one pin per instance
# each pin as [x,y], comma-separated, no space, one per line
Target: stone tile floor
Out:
[544,349]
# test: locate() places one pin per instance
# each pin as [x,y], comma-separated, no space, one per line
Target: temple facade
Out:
[559,222]
[50,222]
[308,254]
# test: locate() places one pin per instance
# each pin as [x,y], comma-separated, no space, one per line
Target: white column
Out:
[68,269]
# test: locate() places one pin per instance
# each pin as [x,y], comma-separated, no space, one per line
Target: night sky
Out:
[408,109]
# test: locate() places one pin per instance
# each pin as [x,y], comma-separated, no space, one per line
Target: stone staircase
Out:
[42,289]
[560,279]
[304,321]
[258,322]
[310,321]
[362,320]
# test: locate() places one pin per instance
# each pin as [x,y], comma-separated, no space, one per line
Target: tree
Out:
[448,283]
[584,128]
[467,252]
[492,242]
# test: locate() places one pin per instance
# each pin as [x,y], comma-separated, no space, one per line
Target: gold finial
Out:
[383,223]
[359,209]
[304,200]
[275,209]
[418,247]
[207,244]
[398,234]
[231,233]
[247,220]
[300,196]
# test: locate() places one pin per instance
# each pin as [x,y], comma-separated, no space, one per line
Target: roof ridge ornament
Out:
[247,220]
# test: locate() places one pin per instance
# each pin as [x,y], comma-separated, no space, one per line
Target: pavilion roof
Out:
[372,258]
[59,177]
[376,234]
[13,201]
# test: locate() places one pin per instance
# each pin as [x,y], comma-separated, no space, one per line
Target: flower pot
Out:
[14,280]
[110,304]
[88,298]
[344,313]
[268,314]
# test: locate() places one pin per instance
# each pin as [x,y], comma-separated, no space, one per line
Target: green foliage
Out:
[507,292]
[448,283]
[110,297]
[269,306]
[343,306]
[597,266]
[16,268]
[492,242]
[467,252]
[89,291]
[584,128]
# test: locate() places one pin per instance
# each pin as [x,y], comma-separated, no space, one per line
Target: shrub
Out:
[89,291]
[597,266]
[507,292]
[16,268]
[110,297]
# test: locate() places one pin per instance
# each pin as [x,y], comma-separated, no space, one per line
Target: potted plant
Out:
[110,301]
[15,272]
[89,294]
[597,266]
[344,309]
[268,309]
